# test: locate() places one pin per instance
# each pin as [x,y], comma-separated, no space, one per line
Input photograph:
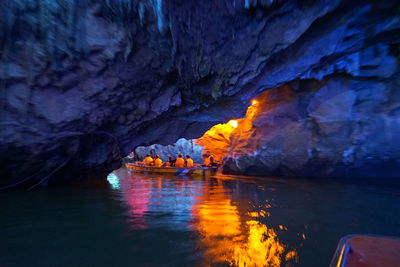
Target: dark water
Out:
[139,220]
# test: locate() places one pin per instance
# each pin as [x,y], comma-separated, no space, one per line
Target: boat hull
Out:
[367,250]
[199,171]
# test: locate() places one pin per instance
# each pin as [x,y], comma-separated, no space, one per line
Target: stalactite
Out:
[141,11]
[158,12]
[71,15]
[128,47]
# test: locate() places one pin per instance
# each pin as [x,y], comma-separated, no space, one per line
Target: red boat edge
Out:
[367,251]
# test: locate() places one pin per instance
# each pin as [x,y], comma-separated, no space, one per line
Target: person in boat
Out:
[189,162]
[211,160]
[213,163]
[148,160]
[157,161]
[206,160]
[171,161]
[180,162]
[167,164]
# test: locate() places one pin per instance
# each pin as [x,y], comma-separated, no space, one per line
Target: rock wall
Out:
[83,82]
[345,125]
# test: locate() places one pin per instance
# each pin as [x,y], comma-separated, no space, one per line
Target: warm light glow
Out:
[262,247]
[233,123]
[218,139]
[230,239]
[227,235]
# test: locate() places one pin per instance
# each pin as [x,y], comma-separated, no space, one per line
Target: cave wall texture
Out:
[84,82]
[340,126]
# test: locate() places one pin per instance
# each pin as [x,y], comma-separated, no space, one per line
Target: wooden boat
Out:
[196,171]
[367,250]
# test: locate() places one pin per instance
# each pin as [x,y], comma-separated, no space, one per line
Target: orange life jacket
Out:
[189,163]
[158,162]
[148,160]
[206,161]
[180,163]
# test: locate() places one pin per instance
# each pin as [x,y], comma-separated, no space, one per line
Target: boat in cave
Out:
[196,171]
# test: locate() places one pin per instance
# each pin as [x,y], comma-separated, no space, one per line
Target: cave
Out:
[305,128]
[278,91]
[84,83]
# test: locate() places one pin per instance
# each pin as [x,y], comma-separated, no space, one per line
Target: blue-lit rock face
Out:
[84,82]
[341,126]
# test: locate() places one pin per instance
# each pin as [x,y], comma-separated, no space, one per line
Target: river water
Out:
[147,220]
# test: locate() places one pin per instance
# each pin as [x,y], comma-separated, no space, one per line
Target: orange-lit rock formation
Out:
[217,139]
[237,136]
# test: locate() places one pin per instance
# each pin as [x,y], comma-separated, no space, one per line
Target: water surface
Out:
[147,220]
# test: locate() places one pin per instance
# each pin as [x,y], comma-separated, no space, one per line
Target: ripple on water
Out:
[147,220]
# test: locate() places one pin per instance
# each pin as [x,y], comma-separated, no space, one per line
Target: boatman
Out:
[206,160]
[180,162]
[148,160]
[158,161]
[189,162]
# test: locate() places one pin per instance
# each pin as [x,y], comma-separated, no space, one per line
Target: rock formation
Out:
[84,82]
[341,126]
[345,125]
[182,146]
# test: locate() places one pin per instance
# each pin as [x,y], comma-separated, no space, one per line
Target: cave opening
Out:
[306,127]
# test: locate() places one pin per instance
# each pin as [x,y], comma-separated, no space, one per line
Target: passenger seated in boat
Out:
[148,160]
[180,162]
[189,162]
[157,161]
[206,160]
[171,161]
[212,161]
[167,164]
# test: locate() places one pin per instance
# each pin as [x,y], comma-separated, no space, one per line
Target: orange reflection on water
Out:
[229,233]
[218,223]
[229,238]
[262,247]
